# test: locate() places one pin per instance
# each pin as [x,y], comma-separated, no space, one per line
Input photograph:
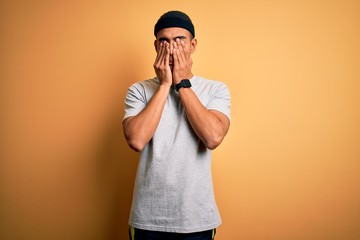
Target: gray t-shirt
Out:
[173,188]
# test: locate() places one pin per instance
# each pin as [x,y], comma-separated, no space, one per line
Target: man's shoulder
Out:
[206,82]
[147,83]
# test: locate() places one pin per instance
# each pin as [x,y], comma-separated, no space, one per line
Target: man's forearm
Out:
[139,129]
[210,126]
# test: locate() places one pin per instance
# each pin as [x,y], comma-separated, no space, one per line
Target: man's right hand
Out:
[161,65]
[140,129]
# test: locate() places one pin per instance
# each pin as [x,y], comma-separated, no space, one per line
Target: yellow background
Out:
[289,168]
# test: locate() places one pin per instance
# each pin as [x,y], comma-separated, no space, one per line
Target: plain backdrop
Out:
[289,168]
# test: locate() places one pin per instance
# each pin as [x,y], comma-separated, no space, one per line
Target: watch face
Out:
[187,83]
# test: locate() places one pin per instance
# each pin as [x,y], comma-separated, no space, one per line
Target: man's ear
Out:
[155,44]
[193,45]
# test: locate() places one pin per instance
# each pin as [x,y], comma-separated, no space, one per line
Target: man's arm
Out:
[210,126]
[139,129]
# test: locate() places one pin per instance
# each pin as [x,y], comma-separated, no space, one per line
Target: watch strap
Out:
[185,83]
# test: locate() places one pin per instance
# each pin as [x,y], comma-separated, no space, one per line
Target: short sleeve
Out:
[135,100]
[220,100]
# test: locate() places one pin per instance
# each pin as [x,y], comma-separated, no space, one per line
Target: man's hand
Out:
[182,62]
[161,65]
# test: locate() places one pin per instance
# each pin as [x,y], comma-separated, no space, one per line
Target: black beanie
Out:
[174,19]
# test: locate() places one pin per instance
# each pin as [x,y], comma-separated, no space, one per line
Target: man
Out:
[174,120]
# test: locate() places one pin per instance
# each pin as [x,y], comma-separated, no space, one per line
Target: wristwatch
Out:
[185,83]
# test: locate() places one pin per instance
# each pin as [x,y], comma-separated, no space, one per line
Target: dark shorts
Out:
[139,234]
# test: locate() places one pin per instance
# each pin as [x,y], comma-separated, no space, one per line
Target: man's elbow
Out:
[214,142]
[137,146]
[212,146]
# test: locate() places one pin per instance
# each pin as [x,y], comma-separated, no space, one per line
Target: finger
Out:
[175,54]
[183,45]
[181,51]
[167,54]
[159,53]
[164,53]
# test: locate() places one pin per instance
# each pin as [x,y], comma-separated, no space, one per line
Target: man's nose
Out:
[171,48]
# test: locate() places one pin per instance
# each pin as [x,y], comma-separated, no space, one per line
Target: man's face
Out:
[170,35]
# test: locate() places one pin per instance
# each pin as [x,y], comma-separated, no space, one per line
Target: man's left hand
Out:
[182,62]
